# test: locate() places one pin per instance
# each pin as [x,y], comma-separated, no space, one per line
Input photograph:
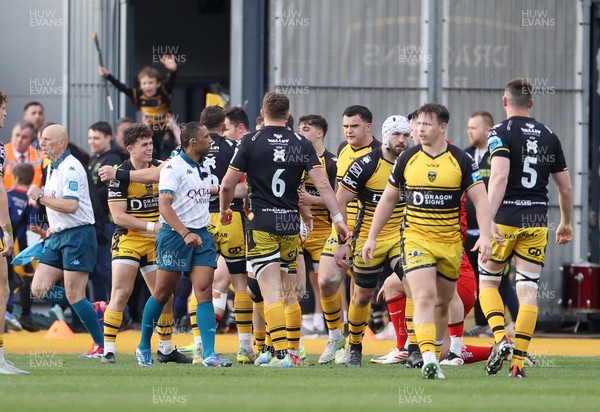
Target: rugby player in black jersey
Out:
[524,153]
[274,159]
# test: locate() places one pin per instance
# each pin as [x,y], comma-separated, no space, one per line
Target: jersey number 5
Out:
[529,178]
[277,184]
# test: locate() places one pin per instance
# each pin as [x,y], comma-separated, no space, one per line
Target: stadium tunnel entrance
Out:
[197,33]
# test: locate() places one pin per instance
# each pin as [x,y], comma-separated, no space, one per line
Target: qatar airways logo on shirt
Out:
[199,196]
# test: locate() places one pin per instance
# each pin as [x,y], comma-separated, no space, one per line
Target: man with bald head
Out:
[71,247]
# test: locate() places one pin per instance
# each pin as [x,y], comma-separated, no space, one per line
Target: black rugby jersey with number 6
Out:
[534,152]
[274,159]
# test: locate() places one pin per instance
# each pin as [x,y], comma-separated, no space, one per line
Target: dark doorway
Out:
[196,32]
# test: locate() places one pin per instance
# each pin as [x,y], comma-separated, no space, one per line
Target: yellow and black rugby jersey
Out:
[346,155]
[141,198]
[274,160]
[534,152]
[321,218]
[433,188]
[367,176]
[153,108]
[221,152]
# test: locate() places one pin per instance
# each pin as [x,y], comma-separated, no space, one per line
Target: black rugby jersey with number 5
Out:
[274,159]
[534,152]
[434,188]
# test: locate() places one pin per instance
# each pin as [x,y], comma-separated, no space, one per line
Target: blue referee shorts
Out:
[174,255]
[74,249]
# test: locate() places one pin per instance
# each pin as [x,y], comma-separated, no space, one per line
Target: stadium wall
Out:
[392,56]
[49,56]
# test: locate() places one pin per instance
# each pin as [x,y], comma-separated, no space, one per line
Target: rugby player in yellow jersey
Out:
[524,153]
[433,176]
[314,128]
[365,180]
[134,207]
[357,123]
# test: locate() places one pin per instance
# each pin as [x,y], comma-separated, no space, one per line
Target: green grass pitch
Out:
[66,383]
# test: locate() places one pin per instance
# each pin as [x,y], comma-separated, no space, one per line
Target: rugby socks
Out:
[205,316]
[524,327]
[1,345]
[243,318]
[112,323]
[259,332]
[57,296]
[397,310]
[438,349]
[259,339]
[192,309]
[293,324]
[268,340]
[456,330]
[358,317]
[413,345]
[493,309]
[332,310]
[275,318]
[86,312]
[193,322]
[152,312]
[472,354]
[164,330]
[426,338]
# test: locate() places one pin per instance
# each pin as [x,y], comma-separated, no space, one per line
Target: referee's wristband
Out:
[122,175]
[337,218]
[150,226]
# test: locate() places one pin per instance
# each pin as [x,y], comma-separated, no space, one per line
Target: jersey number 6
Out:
[277,184]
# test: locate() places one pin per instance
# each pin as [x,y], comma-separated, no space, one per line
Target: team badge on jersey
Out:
[279,154]
[432,176]
[210,161]
[532,146]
